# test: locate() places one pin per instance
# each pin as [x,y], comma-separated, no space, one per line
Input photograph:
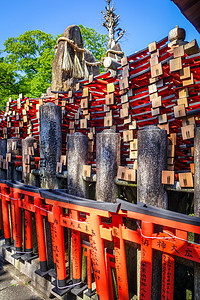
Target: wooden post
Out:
[152,159]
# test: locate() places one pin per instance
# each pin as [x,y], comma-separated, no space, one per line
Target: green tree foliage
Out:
[30,57]
[94,42]
[25,63]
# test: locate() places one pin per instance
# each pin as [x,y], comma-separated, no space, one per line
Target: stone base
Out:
[38,280]
[29,268]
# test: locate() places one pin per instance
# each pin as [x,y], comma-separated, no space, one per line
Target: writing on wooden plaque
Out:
[156,102]
[87,169]
[164,127]
[133,154]
[121,172]
[185,73]
[178,51]
[182,101]
[152,47]
[183,93]
[156,70]
[179,111]
[110,88]
[134,145]
[130,174]
[110,99]
[168,177]
[170,150]
[187,132]
[188,121]
[186,179]
[189,81]
[127,135]
[175,64]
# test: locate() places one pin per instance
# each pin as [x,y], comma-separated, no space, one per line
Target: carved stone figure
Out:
[72,62]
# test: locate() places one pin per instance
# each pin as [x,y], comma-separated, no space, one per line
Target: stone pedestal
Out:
[50,144]
[152,159]
[77,157]
[107,160]
[14,146]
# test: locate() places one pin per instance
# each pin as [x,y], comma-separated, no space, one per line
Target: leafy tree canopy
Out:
[25,63]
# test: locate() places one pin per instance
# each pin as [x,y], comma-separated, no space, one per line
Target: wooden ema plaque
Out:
[178,51]
[156,70]
[179,111]
[182,101]
[133,154]
[124,112]
[164,127]
[152,47]
[152,88]
[83,123]
[126,174]
[133,125]
[59,167]
[172,139]
[130,175]
[110,100]
[110,88]
[162,119]
[124,98]
[156,102]
[134,145]
[124,61]
[188,121]
[187,132]
[87,171]
[175,64]
[121,172]
[84,103]
[125,72]
[108,121]
[85,92]
[189,81]
[123,83]
[153,61]
[155,111]
[128,120]
[183,93]
[168,177]
[127,135]
[186,180]
[185,73]
[171,150]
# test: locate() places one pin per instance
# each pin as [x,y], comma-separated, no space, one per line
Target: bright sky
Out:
[145,21]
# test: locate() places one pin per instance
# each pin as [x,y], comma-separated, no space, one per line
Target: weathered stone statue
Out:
[72,62]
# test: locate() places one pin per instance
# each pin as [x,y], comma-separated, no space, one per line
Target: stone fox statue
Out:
[72,62]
